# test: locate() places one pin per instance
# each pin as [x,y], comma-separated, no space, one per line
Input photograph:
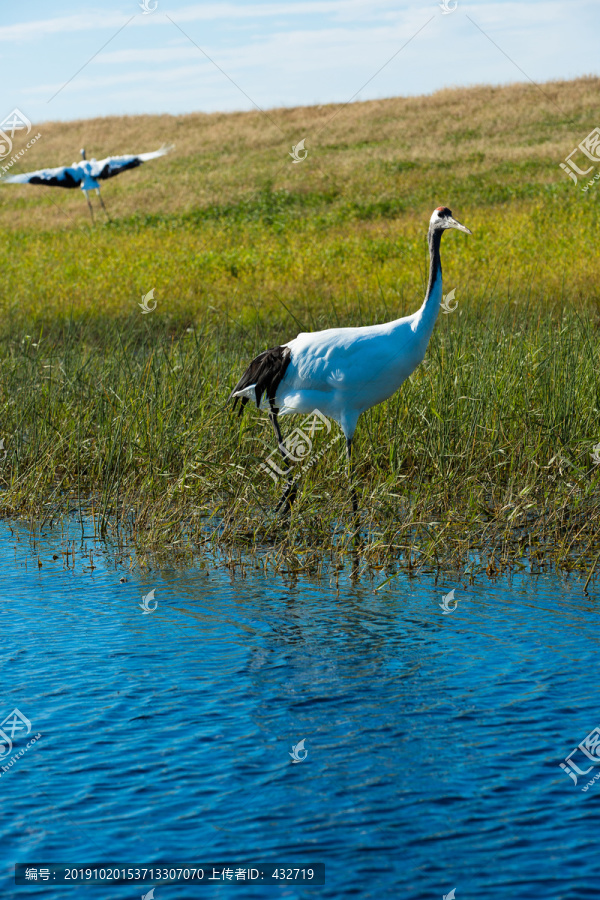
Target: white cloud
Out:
[209,12]
[148,77]
[151,55]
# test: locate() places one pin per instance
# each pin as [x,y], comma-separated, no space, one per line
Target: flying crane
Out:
[86,174]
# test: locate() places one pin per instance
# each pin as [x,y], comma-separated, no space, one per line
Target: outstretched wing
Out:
[114,165]
[63,176]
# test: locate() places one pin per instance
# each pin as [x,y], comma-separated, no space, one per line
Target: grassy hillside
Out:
[228,213]
[244,249]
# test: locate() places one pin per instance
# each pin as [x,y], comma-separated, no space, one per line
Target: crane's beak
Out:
[452,223]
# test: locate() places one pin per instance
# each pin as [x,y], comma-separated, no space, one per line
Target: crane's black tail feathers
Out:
[264,374]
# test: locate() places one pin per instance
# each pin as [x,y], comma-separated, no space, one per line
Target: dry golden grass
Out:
[222,158]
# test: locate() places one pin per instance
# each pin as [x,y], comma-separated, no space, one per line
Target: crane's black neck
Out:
[431,304]
[435,263]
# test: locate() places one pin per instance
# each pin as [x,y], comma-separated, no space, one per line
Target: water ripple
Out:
[434,741]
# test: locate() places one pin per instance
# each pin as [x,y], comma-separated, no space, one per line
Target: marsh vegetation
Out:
[484,459]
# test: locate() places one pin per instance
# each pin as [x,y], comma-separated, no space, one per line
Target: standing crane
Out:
[341,372]
[86,174]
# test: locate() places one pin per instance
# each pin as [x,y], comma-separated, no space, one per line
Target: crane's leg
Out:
[356,541]
[352,487]
[291,487]
[89,206]
[102,203]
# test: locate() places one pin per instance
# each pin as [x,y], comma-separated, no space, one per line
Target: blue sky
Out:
[68,60]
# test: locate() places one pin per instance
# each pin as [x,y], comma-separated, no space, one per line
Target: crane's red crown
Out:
[443,211]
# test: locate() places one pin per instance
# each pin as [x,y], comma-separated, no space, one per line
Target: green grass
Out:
[484,457]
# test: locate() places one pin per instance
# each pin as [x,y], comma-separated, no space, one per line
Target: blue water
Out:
[434,741]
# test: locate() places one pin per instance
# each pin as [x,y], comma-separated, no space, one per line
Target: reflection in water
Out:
[433,741]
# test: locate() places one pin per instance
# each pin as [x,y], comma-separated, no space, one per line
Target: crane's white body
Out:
[89,180]
[344,371]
